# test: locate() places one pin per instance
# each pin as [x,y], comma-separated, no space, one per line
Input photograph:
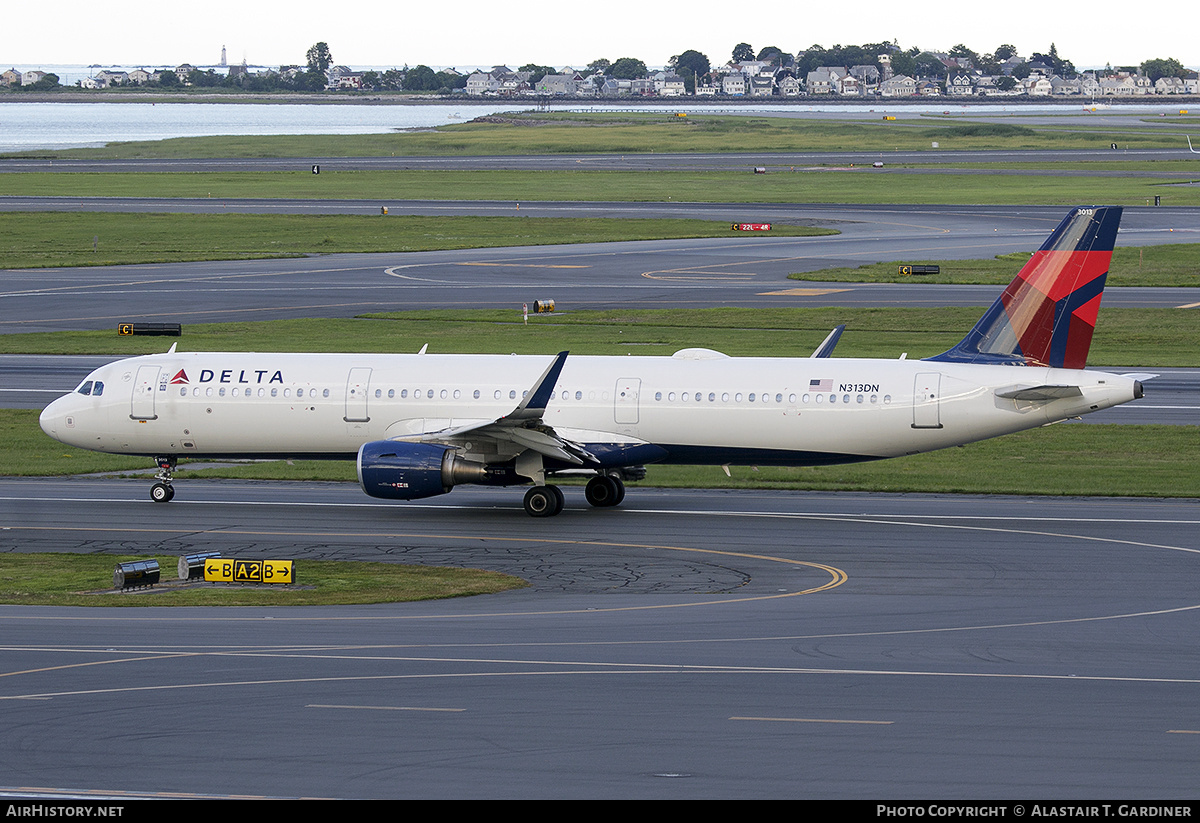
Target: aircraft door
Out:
[625,399]
[144,385]
[926,400]
[357,385]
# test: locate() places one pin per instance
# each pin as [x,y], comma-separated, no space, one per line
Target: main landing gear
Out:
[602,491]
[162,491]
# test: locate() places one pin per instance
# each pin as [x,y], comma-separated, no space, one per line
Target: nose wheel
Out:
[162,491]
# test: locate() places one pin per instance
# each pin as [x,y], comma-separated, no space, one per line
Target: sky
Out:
[474,33]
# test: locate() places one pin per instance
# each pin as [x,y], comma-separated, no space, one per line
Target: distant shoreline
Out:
[384,99]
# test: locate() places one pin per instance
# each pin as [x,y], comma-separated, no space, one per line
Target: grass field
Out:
[51,239]
[52,579]
[779,185]
[1133,338]
[1171,265]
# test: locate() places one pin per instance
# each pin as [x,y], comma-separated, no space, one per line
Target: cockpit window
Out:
[85,389]
[98,389]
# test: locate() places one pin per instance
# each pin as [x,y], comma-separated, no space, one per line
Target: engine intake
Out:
[395,470]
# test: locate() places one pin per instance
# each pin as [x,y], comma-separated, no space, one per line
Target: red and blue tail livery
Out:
[1047,314]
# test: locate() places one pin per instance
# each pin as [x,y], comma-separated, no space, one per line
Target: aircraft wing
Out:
[522,428]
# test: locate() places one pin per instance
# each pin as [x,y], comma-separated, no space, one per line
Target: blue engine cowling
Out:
[409,471]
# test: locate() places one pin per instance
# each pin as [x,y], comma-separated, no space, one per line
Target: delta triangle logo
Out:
[180,377]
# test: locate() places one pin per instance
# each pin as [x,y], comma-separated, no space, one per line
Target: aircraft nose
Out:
[48,420]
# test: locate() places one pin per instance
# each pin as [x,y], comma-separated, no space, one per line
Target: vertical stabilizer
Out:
[1047,314]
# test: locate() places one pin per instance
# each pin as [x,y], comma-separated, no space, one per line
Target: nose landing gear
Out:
[162,491]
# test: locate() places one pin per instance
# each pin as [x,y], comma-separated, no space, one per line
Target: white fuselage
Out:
[700,407]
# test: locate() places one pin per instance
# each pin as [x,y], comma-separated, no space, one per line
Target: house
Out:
[820,81]
[12,77]
[1169,85]
[671,86]
[734,84]
[960,84]
[762,86]
[1036,85]
[107,79]
[899,85]
[557,84]
[1062,86]
[28,78]
[140,77]
[481,83]
[789,86]
[849,86]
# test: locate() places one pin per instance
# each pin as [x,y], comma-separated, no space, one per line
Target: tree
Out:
[536,72]
[1005,51]
[929,65]
[691,64]
[965,56]
[627,68]
[1160,67]
[168,79]
[772,55]
[421,78]
[319,57]
[743,51]
[48,82]
[599,66]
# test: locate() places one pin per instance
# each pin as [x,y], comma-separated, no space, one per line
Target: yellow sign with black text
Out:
[227,570]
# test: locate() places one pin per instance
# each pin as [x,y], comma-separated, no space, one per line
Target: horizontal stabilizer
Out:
[1038,393]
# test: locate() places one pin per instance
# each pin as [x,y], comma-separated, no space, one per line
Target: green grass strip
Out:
[1133,338]
[1170,265]
[779,185]
[53,239]
[53,579]
[1065,459]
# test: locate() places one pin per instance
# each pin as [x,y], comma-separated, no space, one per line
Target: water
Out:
[33,126]
[37,126]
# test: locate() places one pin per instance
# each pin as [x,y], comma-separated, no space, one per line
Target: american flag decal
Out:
[825,384]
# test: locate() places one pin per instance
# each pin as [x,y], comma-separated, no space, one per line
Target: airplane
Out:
[419,424]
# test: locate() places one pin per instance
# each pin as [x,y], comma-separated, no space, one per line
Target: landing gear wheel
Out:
[603,491]
[543,501]
[163,491]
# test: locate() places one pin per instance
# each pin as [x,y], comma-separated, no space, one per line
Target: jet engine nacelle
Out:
[409,471]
